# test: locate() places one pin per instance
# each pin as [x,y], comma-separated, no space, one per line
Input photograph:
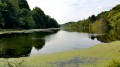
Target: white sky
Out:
[72,10]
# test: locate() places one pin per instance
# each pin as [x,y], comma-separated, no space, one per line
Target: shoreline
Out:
[100,55]
[10,31]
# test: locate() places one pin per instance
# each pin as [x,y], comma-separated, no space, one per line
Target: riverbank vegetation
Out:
[16,14]
[102,55]
[104,21]
[107,22]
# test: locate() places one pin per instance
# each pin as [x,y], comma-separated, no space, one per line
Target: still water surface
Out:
[63,40]
[29,44]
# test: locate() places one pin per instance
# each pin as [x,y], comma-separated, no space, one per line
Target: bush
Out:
[114,64]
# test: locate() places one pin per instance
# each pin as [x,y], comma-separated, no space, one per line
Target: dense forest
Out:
[104,21]
[16,14]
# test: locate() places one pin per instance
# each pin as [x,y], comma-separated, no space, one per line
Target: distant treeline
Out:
[16,14]
[105,20]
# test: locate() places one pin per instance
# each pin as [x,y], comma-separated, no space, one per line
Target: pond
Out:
[29,44]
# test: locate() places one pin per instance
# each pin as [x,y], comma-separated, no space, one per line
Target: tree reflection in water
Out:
[20,45]
[108,35]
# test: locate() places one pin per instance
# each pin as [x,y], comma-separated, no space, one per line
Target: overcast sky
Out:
[72,10]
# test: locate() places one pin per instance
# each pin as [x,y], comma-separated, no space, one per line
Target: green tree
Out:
[92,18]
[53,23]
[3,5]
[17,14]
[23,4]
[26,21]
[38,16]
[42,20]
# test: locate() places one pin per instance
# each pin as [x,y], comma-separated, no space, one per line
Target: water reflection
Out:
[29,44]
[20,45]
[64,40]
[112,35]
[108,35]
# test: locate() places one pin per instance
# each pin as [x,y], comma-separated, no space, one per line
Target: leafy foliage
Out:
[23,4]
[104,20]
[114,64]
[41,20]
[17,14]
[26,21]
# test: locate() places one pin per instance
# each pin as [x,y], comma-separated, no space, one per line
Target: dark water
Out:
[29,44]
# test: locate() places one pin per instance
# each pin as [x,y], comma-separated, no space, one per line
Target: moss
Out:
[114,64]
[97,56]
[9,31]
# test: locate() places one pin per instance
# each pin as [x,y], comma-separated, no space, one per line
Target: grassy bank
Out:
[9,31]
[101,55]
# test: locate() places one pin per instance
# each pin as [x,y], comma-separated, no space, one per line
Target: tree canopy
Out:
[104,20]
[42,20]
[16,14]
